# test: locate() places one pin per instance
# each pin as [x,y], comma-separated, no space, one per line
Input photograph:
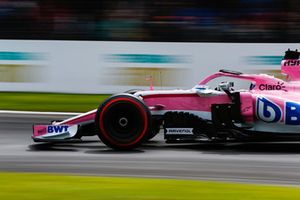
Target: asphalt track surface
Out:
[273,163]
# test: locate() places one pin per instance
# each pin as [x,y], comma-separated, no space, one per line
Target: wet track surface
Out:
[275,163]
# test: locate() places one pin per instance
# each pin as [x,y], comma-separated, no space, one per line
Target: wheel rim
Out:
[123,121]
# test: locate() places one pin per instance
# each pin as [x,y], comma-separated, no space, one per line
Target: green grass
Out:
[50,101]
[16,186]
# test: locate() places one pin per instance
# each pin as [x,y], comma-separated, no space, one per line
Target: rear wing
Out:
[290,65]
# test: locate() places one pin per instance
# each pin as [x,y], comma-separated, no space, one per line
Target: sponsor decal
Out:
[42,131]
[57,129]
[139,76]
[10,55]
[263,60]
[179,131]
[246,109]
[147,58]
[292,113]
[270,112]
[252,86]
[291,63]
[267,111]
[278,86]
[20,73]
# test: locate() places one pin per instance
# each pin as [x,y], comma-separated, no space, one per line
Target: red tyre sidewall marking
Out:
[144,119]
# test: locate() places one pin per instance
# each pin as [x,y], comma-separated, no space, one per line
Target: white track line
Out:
[36,112]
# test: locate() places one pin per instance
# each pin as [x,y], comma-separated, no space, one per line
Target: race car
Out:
[268,109]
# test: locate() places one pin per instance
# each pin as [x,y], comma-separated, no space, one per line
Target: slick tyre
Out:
[123,122]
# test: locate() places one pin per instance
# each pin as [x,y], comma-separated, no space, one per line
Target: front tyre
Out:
[123,122]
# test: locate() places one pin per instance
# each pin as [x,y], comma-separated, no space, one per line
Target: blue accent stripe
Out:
[8,55]
[263,60]
[146,58]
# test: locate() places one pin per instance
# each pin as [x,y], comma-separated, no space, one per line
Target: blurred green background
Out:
[49,186]
[50,101]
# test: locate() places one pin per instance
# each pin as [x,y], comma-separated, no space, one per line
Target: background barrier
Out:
[111,67]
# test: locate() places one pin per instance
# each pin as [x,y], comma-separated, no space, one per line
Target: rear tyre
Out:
[123,122]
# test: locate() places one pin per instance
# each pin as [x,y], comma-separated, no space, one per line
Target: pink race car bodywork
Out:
[269,108]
